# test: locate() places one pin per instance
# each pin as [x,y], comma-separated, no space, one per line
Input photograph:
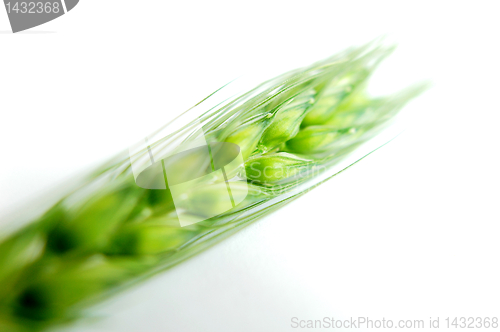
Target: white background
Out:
[409,233]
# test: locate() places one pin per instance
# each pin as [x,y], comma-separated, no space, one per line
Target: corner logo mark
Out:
[26,14]
[204,180]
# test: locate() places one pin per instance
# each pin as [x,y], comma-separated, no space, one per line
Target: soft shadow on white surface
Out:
[29,32]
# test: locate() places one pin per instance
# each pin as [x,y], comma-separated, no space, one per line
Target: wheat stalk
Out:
[112,233]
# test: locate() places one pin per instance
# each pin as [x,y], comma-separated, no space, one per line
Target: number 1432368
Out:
[33,7]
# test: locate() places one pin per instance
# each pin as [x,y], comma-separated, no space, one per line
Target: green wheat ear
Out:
[111,233]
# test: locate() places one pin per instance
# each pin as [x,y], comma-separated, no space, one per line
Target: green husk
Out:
[111,234]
